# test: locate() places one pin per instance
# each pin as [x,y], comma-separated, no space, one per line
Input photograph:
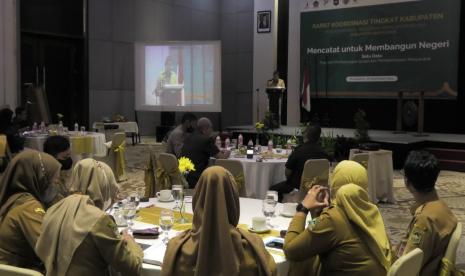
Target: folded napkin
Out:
[148,233]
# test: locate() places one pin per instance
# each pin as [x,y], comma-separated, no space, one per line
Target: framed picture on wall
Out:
[263,21]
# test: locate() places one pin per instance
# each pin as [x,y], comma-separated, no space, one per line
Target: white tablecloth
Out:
[259,176]
[98,139]
[129,127]
[249,208]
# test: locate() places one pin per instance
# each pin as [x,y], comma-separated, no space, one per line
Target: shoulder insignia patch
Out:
[416,237]
[39,211]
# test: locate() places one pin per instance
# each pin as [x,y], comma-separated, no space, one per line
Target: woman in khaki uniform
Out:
[348,237]
[79,238]
[214,245]
[25,192]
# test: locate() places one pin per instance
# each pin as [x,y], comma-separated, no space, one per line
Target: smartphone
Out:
[278,244]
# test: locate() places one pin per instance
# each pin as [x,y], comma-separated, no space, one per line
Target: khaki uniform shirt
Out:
[336,242]
[185,264]
[103,247]
[19,231]
[430,230]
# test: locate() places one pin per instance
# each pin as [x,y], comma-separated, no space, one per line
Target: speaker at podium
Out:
[172,95]
[275,97]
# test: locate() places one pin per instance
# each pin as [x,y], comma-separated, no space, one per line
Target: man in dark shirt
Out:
[199,147]
[310,149]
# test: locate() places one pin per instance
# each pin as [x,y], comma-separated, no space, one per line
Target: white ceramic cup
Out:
[289,208]
[164,195]
[259,223]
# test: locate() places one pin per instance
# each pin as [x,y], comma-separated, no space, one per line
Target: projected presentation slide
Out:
[178,76]
[376,48]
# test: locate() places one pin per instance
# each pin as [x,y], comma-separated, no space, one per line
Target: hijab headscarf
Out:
[214,244]
[29,172]
[348,172]
[68,222]
[353,201]
[95,179]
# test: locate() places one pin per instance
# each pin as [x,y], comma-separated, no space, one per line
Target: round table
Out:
[259,176]
[249,208]
[90,143]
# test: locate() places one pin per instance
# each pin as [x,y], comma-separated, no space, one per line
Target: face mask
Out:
[66,164]
[190,129]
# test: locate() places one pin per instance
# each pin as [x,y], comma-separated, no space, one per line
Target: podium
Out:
[275,96]
[172,95]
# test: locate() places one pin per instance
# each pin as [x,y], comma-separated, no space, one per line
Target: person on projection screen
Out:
[167,77]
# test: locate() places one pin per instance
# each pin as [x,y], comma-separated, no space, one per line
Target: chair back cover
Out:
[167,173]
[8,270]
[448,261]
[316,172]
[237,170]
[407,265]
[117,151]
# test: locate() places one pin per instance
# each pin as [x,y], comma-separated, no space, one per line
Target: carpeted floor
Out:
[450,186]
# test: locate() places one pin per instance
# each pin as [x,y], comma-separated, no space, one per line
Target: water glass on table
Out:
[274,194]
[166,223]
[177,191]
[134,197]
[269,208]
[129,212]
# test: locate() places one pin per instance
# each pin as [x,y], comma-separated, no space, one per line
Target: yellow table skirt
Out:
[82,144]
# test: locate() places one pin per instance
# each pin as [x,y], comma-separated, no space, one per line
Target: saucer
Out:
[259,231]
[287,215]
[166,200]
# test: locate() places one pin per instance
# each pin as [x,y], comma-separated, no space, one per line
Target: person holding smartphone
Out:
[348,237]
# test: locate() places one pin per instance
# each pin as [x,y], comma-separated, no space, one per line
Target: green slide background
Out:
[329,80]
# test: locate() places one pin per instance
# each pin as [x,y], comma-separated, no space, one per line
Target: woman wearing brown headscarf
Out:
[348,237]
[79,237]
[25,192]
[214,245]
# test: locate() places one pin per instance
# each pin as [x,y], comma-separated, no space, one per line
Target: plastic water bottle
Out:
[250,149]
[240,141]
[227,143]
[270,145]
[42,127]
[34,126]
[76,127]
[218,142]
[60,127]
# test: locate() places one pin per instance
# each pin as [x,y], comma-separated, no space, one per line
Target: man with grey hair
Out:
[199,147]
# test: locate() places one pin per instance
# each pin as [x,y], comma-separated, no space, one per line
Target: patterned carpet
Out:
[450,186]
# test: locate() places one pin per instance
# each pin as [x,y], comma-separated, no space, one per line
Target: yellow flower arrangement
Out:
[186,165]
[259,125]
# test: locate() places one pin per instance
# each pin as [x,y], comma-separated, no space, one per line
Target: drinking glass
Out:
[274,193]
[177,195]
[166,223]
[141,192]
[269,208]
[129,212]
[134,197]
